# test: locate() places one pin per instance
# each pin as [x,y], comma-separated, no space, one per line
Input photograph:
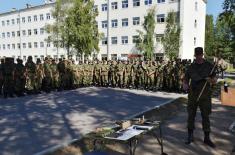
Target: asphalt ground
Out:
[33,123]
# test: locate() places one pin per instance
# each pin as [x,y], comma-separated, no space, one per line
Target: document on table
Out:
[130,132]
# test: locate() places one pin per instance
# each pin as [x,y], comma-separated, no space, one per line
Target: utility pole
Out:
[108,38]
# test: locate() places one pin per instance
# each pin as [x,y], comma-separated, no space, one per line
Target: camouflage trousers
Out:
[204,105]
[8,86]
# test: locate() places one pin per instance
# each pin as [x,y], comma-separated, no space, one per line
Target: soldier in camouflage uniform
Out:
[61,69]
[135,74]
[55,75]
[80,74]
[30,67]
[199,73]
[104,74]
[20,78]
[112,70]
[39,76]
[47,80]
[150,71]
[127,74]
[8,72]
[97,73]
[120,69]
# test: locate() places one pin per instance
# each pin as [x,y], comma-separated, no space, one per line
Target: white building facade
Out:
[22,32]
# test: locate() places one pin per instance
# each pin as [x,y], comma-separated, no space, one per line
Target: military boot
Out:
[190,138]
[208,141]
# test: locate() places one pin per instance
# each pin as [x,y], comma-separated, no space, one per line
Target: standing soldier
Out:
[61,70]
[55,75]
[97,73]
[112,70]
[30,67]
[120,69]
[80,73]
[8,71]
[150,75]
[127,75]
[104,74]
[202,76]
[135,74]
[47,81]
[19,78]
[39,75]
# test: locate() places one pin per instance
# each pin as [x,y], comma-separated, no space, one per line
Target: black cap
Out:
[198,51]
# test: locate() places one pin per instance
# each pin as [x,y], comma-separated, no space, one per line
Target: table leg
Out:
[132,146]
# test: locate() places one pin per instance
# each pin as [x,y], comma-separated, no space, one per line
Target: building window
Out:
[24,33]
[35,45]
[48,16]
[161,1]
[113,56]
[104,24]
[24,58]
[104,41]
[48,44]
[13,34]
[195,41]
[41,44]
[136,3]
[125,22]
[29,19]
[161,18]
[114,23]
[18,33]
[29,45]
[13,46]
[159,38]
[8,34]
[41,30]
[114,5]
[41,17]
[23,19]
[4,46]
[18,45]
[24,45]
[104,7]
[3,35]
[35,31]
[13,21]
[18,20]
[8,22]
[196,6]
[135,39]
[147,2]
[124,40]
[125,4]
[3,23]
[114,40]
[8,46]
[35,18]
[195,23]
[29,32]
[136,20]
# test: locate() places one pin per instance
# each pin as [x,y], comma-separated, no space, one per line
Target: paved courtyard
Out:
[33,123]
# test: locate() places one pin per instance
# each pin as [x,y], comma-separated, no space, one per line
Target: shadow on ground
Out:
[31,124]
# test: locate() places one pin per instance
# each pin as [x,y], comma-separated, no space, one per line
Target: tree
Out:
[227,21]
[145,42]
[84,31]
[210,37]
[171,39]
[59,31]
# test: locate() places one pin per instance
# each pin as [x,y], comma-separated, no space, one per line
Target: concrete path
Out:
[31,124]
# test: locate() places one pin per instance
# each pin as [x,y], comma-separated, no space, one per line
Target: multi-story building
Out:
[22,32]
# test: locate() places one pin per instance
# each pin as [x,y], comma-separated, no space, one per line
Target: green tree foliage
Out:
[226,26]
[145,43]
[171,39]
[85,35]
[75,27]
[210,37]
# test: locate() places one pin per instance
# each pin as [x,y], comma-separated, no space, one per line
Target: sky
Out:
[214,7]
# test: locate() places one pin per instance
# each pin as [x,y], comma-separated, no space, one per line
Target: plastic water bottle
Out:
[225,87]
